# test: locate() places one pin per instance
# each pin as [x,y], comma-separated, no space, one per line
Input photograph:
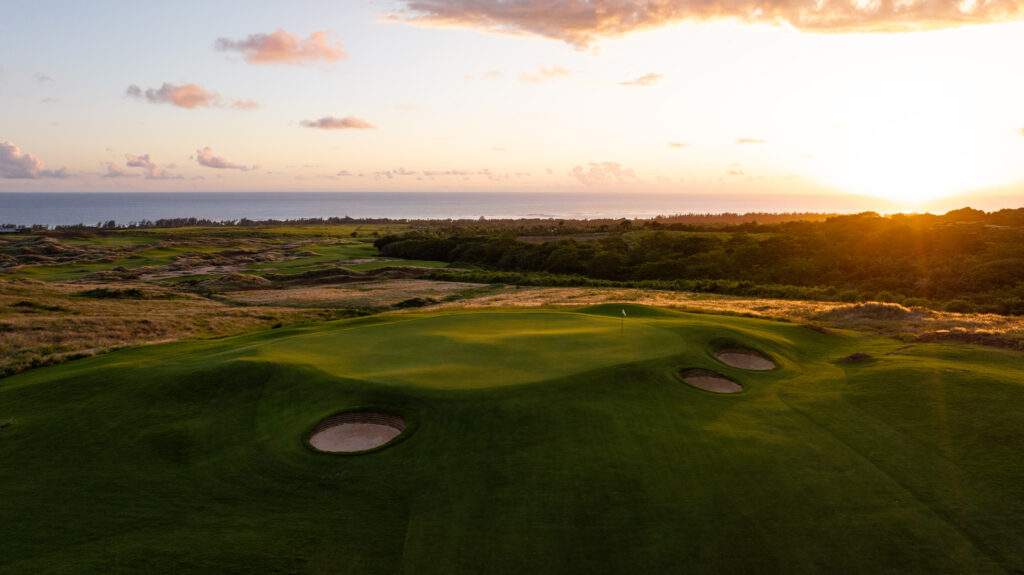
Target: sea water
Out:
[53,208]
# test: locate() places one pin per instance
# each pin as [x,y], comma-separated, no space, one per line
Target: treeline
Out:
[202,222]
[965,260]
[525,226]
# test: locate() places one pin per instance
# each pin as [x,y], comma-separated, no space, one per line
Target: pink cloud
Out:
[149,167]
[678,145]
[544,74]
[16,165]
[604,173]
[583,23]
[751,141]
[332,123]
[645,80]
[206,158]
[280,47]
[187,96]
[115,171]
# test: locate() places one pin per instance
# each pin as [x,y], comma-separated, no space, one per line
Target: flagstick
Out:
[622,326]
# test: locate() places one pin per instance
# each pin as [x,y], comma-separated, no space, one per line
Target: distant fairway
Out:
[538,441]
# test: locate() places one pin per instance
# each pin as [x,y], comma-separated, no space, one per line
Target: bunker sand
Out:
[710,381]
[745,359]
[356,431]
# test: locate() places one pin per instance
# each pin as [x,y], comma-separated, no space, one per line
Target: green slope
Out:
[542,441]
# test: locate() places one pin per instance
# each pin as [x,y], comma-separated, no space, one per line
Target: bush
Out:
[959,306]
[415,302]
[888,297]
[106,293]
[917,302]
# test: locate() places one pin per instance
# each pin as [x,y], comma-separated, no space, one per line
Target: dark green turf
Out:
[541,442]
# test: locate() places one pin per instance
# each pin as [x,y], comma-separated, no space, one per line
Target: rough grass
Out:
[372,294]
[190,457]
[46,323]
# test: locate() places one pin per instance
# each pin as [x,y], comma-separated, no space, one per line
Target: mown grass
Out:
[556,446]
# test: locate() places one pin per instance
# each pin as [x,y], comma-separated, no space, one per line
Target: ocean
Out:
[52,208]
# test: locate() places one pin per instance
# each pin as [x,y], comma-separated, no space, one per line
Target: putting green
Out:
[538,441]
[468,351]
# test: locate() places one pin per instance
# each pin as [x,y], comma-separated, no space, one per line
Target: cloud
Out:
[603,173]
[115,171]
[206,158]
[332,123]
[406,107]
[735,171]
[678,145]
[742,141]
[42,78]
[544,74]
[432,174]
[280,47]
[149,167]
[491,75]
[499,149]
[16,165]
[49,101]
[583,23]
[188,96]
[437,173]
[391,174]
[645,80]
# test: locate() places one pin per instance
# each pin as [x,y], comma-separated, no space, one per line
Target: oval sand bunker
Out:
[356,431]
[710,381]
[744,359]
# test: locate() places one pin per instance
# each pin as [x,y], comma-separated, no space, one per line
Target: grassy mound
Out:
[545,442]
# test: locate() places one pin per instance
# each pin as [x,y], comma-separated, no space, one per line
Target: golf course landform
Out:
[530,440]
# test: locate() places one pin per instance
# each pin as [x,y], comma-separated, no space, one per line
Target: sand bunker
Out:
[744,359]
[709,381]
[356,431]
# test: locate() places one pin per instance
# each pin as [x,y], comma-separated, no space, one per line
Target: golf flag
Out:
[623,312]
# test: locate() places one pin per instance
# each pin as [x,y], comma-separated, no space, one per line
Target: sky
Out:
[906,100]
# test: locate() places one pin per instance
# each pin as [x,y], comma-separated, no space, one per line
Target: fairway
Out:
[532,441]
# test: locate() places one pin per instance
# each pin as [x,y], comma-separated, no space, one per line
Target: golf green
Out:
[540,441]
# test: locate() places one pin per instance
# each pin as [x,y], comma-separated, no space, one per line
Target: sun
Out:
[907,160]
[910,154]
[901,126]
